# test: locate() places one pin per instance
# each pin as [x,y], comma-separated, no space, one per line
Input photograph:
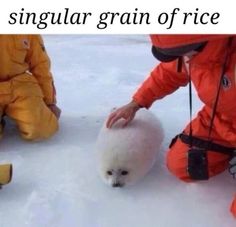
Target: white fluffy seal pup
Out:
[126,154]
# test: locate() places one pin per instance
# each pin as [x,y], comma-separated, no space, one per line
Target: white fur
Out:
[132,148]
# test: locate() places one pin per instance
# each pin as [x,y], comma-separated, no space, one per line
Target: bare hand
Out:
[126,112]
[55,109]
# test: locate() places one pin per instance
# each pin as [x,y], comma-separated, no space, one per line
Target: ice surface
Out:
[55,182]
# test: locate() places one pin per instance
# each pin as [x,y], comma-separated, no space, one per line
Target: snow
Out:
[55,182]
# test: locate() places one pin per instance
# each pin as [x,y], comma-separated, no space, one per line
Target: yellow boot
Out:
[5,173]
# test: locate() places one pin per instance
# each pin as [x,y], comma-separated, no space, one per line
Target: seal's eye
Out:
[124,172]
[109,172]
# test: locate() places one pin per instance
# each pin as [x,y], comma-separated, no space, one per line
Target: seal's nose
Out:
[117,185]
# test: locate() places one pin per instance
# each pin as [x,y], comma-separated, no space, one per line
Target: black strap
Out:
[190,109]
[179,64]
[223,70]
[216,99]
[207,145]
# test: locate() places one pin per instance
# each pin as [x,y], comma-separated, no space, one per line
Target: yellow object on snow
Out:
[5,173]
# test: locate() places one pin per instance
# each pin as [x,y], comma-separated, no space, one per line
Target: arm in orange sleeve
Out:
[163,80]
[39,64]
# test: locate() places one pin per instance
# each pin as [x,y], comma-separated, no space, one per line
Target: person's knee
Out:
[177,162]
[40,131]
[38,124]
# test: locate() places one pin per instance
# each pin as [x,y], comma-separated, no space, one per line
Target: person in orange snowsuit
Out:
[27,93]
[209,61]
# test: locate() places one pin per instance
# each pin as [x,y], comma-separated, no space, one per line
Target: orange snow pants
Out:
[223,133]
[21,99]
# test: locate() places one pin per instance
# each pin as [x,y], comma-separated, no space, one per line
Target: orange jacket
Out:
[26,53]
[205,69]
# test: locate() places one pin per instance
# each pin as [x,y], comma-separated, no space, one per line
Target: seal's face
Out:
[126,167]
[117,177]
[118,169]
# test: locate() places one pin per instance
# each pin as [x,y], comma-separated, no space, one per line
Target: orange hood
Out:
[169,41]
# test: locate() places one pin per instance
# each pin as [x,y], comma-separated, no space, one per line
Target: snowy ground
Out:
[55,182]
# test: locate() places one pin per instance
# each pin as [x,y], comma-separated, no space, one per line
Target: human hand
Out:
[126,112]
[55,109]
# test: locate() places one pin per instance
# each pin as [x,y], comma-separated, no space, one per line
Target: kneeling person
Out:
[27,93]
